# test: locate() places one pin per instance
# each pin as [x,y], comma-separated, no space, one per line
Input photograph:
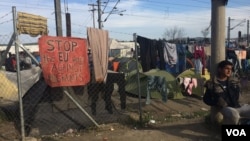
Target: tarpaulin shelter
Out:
[8,83]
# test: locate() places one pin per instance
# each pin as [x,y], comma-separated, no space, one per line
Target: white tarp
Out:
[31,48]
[124,49]
[114,44]
[8,83]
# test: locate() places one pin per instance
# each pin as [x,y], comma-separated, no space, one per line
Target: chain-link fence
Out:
[39,109]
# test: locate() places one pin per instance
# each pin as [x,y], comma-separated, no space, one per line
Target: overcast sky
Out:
[148,18]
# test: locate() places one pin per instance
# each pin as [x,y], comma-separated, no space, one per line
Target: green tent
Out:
[173,89]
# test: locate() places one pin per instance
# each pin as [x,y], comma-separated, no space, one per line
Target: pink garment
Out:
[189,83]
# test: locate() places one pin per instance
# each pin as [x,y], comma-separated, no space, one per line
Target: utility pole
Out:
[228,31]
[229,28]
[58,16]
[93,12]
[68,25]
[218,51]
[99,14]
[247,33]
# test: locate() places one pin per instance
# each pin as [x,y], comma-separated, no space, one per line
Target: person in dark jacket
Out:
[95,88]
[10,63]
[223,94]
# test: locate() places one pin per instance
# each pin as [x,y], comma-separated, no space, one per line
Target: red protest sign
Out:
[64,61]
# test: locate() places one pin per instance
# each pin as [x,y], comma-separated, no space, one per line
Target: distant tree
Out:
[173,34]
[205,32]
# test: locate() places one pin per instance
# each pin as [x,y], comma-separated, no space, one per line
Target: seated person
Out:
[222,94]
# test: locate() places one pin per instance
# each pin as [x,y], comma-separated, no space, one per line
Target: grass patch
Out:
[196,114]
[136,121]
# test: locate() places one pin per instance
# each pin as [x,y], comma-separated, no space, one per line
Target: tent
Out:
[173,88]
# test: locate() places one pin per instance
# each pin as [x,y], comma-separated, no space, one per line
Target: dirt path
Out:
[179,131]
[176,120]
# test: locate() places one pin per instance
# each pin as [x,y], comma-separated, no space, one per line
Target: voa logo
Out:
[236,132]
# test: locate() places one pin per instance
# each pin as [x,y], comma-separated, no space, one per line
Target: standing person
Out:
[10,63]
[14,62]
[27,61]
[95,88]
[22,58]
[114,76]
[223,94]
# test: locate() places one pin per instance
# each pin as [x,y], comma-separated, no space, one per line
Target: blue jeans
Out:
[159,83]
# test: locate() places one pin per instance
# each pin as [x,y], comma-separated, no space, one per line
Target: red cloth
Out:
[199,53]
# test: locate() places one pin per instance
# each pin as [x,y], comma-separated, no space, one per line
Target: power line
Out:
[93,13]
[5,15]
[111,12]
[105,6]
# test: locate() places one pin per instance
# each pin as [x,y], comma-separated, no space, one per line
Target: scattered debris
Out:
[176,115]
[152,121]
[204,109]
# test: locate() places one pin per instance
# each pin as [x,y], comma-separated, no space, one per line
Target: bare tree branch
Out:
[205,33]
[173,33]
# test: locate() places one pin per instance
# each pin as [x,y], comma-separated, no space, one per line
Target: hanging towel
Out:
[98,42]
[170,53]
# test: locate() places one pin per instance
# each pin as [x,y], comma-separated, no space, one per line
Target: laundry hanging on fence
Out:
[98,42]
[170,53]
[181,52]
[189,83]
[190,73]
[147,53]
[156,83]
[200,62]
[33,25]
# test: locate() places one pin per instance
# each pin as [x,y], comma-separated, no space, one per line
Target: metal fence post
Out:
[18,75]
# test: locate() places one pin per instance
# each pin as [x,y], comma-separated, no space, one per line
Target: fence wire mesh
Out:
[48,110]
